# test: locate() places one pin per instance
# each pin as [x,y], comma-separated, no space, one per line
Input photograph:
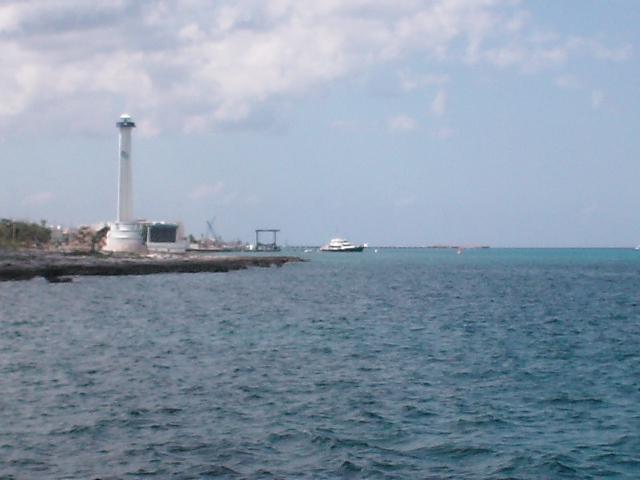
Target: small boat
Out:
[341,245]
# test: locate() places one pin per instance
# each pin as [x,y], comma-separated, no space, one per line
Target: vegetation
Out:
[88,238]
[23,234]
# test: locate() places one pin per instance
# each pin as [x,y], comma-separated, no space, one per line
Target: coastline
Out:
[57,267]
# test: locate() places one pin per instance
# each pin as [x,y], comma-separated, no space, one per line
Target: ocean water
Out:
[391,365]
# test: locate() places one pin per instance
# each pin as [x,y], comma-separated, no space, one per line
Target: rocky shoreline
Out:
[57,267]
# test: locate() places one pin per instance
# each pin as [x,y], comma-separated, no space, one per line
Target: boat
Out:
[341,245]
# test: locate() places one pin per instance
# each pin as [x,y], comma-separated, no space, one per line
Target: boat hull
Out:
[358,248]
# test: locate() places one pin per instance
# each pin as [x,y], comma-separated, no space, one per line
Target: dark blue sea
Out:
[400,364]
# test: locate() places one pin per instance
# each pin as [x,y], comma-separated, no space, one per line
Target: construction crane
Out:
[211,233]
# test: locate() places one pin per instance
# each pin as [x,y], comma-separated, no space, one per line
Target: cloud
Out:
[410,82]
[404,201]
[444,133]
[193,65]
[439,104]
[597,98]
[600,51]
[567,81]
[345,125]
[252,200]
[219,194]
[534,52]
[38,199]
[401,123]
[206,191]
[8,18]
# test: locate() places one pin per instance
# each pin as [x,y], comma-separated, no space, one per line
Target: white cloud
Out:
[252,200]
[38,199]
[600,51]
[8,18]
[194,64]
[206,191]
[439,104]
[536,51]
[410,82]
[217,193]
[567,81]
[444,133]
[597,98]
[401,123]
[345,125]
[518,21]
[404,201]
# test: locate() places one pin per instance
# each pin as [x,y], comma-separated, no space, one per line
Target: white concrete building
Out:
[164,237]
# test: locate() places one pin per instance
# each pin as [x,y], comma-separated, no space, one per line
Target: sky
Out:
[393,122]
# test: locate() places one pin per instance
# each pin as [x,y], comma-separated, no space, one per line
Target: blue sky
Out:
[404,122]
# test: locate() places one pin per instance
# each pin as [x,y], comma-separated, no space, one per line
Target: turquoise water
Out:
[400,364]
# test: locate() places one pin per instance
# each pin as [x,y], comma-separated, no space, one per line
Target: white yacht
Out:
[341,245]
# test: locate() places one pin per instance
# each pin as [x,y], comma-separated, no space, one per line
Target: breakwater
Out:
[57,267]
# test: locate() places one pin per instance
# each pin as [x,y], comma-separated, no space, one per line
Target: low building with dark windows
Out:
[163,237]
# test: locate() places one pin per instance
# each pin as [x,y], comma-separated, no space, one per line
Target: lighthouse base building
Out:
[125,238]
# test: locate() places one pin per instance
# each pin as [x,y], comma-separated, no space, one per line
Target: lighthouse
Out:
[125,235]
[125,200]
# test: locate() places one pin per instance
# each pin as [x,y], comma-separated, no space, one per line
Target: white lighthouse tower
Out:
[125,200]
[125,235]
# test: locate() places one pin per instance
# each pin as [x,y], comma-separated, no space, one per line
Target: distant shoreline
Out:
[470,247]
